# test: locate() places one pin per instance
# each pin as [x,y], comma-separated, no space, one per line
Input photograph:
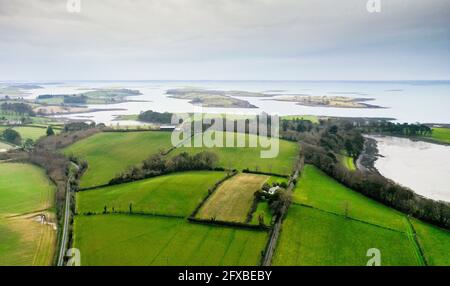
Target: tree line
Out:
[19,108]
[400,129]
[159,164]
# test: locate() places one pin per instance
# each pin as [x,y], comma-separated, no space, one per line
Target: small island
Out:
[328,101]
[17,90]
[210,98]
[97,96]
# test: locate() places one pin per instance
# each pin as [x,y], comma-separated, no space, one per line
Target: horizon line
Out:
[218,80]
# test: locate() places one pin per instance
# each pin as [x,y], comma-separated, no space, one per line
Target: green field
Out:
[318,190]
[29,132]
[435,243]
[133,117]
[24,190]
[262,209]
[233,199]
[441,134]
[174,194]
[329,224]
[348,163]
[313,237]
[147,240]
[110,153]
[249,157]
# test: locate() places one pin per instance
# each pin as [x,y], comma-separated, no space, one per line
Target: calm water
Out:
[421,166]
[425,102]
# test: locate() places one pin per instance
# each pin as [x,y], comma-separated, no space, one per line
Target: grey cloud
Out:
[142,33]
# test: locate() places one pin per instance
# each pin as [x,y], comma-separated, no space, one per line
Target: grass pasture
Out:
[435,243]
[146,240]
[263,210]
[441,134]
[24,190]
[318,190]
[110,153]
[173,194]
[29,132]
[313,237]
[233,199]
[249,157]
[328,224]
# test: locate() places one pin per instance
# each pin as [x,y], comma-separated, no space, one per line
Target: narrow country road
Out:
[270,250]
[65,229]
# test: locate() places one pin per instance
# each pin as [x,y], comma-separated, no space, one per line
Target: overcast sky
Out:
[224,40]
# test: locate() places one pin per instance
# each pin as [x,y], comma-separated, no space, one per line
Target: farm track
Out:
[27,213]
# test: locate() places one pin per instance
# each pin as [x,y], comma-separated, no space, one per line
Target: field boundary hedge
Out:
[44,126]
[413,236]
[248,171]
[135,213]
[252,209]
[218,169]
[109,130]
[96,187]
[228,223]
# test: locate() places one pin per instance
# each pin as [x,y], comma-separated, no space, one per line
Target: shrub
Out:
[12,136]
